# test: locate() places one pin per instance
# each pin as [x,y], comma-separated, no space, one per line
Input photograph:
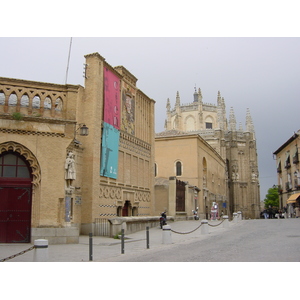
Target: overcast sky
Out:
[259,73]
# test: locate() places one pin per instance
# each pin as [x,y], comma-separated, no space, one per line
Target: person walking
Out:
[265,214]
[297,209]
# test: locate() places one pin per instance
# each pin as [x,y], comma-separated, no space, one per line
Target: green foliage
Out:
[272,198]
[117,236]
[17,116]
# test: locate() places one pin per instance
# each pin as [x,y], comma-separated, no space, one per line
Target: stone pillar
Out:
[166,235]
[204,227]
[235,217]
[225,222]
[240,217]
[40,251]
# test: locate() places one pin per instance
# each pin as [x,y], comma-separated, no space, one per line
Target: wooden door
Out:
[180,195]
[15,214]
[15,199]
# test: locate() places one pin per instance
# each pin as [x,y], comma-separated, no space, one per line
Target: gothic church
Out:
[236,146]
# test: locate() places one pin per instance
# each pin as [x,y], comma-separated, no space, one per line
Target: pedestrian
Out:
[270,212]
[265,214]
[285,212]
[297,209]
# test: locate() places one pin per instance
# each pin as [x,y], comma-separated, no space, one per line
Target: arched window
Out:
[58,104]
[13,166]
[12,100]
[24,101]
[47,103]
[178,168]
[2,98]
[36,102]
[208,123]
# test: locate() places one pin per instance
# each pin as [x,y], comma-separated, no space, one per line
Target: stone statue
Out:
[70,170]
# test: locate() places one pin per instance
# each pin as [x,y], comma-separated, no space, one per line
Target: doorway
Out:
[15,198]
[126,209]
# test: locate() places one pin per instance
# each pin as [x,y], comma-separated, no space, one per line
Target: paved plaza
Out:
[274,240]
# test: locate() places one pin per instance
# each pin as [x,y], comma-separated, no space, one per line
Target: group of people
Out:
[273,213]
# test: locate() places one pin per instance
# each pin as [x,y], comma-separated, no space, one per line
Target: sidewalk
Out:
[107,249]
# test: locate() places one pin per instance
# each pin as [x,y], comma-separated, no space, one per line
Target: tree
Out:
[272,198]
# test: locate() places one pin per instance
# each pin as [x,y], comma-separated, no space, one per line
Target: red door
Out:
[15,214]
[15,199]
[125,209]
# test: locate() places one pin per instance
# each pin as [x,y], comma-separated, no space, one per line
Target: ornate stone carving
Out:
[35,167]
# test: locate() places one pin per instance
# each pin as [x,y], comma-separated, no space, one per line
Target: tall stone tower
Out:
[235,145]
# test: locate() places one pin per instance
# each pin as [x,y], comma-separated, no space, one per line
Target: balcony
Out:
[288,186]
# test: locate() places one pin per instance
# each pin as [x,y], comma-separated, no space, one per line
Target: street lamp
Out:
[83,129]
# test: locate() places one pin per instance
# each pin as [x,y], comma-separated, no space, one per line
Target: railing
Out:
[101,227]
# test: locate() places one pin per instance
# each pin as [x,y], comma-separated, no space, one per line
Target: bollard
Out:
[122,242]
[225,222]
[166,235]
[90,246]
[235,217]
[40,251]
[204,227]
[147,237]
[240,216]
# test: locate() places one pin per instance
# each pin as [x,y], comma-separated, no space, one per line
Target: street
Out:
[261,240]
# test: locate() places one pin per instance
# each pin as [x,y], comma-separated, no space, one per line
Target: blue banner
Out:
[110,151]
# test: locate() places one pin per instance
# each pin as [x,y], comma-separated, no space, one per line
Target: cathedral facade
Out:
[236,146]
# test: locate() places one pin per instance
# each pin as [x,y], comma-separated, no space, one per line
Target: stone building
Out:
[191,162]
[288,173]
[236,146]
[57,179]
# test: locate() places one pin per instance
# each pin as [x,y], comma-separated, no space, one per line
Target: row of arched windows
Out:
[36,101]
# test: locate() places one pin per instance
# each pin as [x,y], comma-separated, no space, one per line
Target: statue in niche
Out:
[70,170]
[235,174]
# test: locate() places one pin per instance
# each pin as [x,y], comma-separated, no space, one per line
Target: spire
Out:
[219,100]
[232,121]
[195,95]
[241,127]
[249,123]
[177,99]
[200,95]
[220,117]
[168,105]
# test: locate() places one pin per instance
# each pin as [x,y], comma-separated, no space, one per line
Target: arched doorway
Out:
[15,198]
[126,209]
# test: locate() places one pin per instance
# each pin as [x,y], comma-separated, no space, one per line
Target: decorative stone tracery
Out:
[22,150]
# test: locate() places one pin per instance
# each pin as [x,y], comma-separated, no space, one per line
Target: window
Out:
[47,103]
[12,100]
[36,102]
[178,168]
[208,125]
[13,166]
[24,101]
[2,98]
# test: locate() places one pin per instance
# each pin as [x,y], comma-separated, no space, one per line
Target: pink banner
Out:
[111,98]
